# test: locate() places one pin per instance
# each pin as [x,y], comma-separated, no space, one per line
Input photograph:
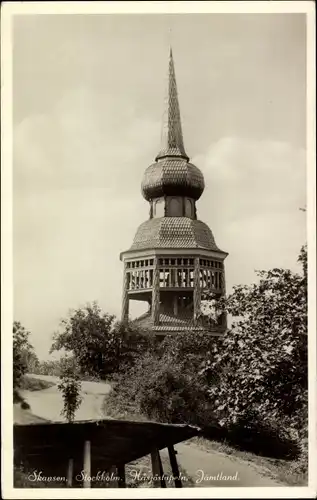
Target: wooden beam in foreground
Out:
[87,464]
[121,475]
[174,465]
[70,472]
[157,470]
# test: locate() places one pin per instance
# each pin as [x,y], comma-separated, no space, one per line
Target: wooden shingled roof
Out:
[174,232]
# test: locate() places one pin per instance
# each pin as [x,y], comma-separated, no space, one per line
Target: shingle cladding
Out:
[172,135]
[172,176]
[173,232]
[169,324]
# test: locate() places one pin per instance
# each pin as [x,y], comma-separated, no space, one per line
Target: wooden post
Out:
[157,469]
[197,292]
[223,293]
[87,464]
[70,472]
[156,294]
[113,474]
[121,475]
[174,465]
[175,305]
[125,296]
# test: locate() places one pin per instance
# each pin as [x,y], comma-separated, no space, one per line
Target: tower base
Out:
[169,324]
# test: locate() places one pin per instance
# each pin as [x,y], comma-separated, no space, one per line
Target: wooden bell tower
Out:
[174,257]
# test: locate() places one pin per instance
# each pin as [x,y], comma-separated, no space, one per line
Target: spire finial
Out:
[172,136]
[170,38]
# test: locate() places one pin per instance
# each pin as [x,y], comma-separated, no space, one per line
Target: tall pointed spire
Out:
[172,136]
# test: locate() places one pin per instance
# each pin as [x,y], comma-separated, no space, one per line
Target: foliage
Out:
[165,384]
[34,384]
[100,345]
[70,387]
[170,395]
[25,405]
[49,367]
[22,352]
[187,349]
[259,371]
[32,361]
[248,387]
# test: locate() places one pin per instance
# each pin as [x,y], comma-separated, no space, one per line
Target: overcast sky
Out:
[88,95]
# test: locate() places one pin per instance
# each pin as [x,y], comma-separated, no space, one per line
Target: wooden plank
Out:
[157,470]
[174,465]
[87,464]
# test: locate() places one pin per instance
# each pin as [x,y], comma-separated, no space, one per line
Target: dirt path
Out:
[210,468]
[207,468]
[48,403]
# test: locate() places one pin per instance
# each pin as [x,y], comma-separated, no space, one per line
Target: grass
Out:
[287,472]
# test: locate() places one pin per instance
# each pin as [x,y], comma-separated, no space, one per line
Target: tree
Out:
[259,369]
[49,367]
[99,343]
[32,362]
[22,352]
[70,387]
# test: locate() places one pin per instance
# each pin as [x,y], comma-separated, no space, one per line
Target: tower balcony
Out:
[175,274]
[172,283]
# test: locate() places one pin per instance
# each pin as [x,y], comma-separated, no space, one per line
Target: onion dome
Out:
[172,174]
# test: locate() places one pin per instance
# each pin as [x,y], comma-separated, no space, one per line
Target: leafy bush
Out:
[189,350]
[260,368]
[22,349]
[164,386]
[25,405]
[100,345]
[299,467]
[50,367]
[248,387]
[70,387]
[35,384]
[23,358]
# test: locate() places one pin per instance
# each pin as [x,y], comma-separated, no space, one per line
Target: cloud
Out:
[77,204]
[254,190]
[82,141]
